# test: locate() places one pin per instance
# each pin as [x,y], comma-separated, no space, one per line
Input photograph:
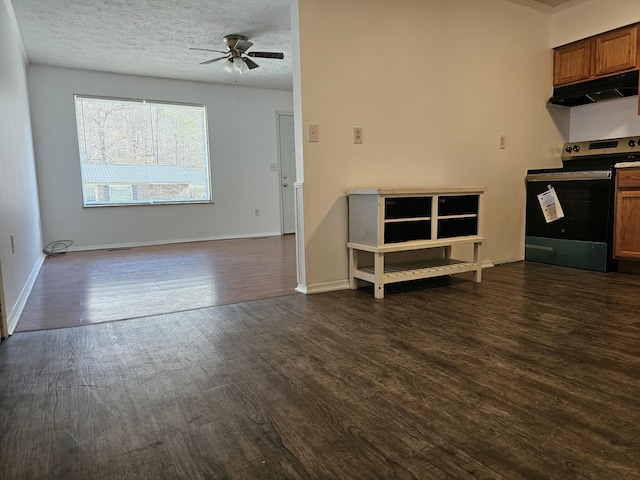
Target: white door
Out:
[287,172]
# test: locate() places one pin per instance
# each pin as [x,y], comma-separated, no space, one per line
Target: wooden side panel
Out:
[616,51]
[571,63]
[364,219]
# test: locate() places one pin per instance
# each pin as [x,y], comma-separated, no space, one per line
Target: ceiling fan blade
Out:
[242,45]
[278,55]
[250,63]
[212,60]
[206,50]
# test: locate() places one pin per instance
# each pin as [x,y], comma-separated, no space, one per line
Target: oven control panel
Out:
[614,146]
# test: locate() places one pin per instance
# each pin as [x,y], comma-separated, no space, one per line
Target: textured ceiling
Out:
[153,37]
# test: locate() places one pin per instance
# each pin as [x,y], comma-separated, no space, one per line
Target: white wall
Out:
[19,213]
[610,119]
[433,84]
[590,17]
[243,142]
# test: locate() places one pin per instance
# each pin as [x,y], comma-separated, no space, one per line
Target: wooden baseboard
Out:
[323,287]
[629,266]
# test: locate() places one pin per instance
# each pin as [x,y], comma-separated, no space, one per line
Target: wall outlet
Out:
[257,212]
[503,142]
[273,167]
[357,135]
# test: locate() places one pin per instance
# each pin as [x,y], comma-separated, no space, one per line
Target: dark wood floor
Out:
[532,374]
[81,288]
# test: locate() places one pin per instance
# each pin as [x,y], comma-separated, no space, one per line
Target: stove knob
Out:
[632,143]
[568,149]
[576,148]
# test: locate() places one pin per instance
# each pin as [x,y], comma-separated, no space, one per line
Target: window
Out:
[135,152]
[90,193]
[120,193]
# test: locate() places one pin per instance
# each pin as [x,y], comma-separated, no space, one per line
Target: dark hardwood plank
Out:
[80,288]
[533,373]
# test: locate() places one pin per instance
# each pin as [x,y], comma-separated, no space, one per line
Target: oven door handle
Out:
[559,177]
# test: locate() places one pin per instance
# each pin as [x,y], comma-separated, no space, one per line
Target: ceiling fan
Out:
[236,56]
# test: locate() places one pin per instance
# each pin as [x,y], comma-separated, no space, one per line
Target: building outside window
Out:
[139,152]
[120,193]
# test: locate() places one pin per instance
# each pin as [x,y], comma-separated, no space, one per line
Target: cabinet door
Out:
[616,51]
[627,228]
[571,63]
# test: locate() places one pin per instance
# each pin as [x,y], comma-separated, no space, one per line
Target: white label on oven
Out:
[550,205]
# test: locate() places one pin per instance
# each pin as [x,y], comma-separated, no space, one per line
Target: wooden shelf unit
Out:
[388,220]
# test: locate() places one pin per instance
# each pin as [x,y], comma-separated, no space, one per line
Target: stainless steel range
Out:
[570,209]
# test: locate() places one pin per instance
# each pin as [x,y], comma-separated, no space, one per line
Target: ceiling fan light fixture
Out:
[236,61]
[239,65]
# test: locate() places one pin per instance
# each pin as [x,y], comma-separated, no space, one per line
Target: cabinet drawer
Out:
[457,227]
[407,207]
[407,231]
[457,204]
[628,178]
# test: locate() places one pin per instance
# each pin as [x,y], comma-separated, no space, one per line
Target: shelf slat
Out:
[454,217]
[401,272]
[410,219]
[417,244]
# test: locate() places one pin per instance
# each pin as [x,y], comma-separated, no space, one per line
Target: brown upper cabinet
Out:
[599,56]
[572,63]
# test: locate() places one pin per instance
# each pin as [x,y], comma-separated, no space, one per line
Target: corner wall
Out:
[19,214]
[433,84]
[242,143]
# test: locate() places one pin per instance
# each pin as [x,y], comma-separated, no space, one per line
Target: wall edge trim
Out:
[323,287]
[16,311]
[171,241]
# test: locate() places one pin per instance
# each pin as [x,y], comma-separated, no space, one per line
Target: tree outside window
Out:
[135,152]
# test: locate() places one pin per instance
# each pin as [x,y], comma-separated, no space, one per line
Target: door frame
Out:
[280,113]
[4,327]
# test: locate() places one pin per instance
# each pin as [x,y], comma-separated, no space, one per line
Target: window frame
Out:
[122,187]
[86,188]
[208,184]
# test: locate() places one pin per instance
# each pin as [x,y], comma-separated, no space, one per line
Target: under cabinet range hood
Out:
[608,88]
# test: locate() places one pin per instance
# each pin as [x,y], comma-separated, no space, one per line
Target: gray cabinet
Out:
[389,220]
